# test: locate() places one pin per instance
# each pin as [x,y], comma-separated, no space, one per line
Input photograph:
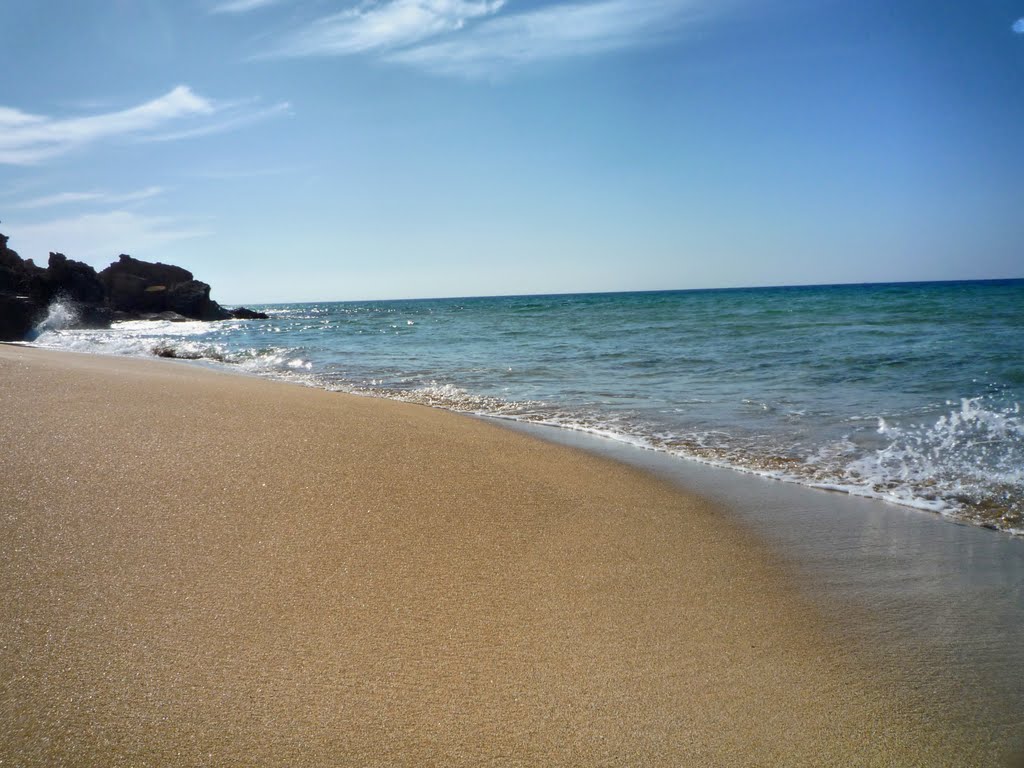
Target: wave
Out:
[182,341]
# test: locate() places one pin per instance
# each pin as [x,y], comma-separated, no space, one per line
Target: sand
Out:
[205,569]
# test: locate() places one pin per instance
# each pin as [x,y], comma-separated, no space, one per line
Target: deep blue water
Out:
[907,392]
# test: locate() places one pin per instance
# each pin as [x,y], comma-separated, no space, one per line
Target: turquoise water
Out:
[906,392]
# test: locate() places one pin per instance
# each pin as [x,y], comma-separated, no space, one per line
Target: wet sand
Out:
[205,569]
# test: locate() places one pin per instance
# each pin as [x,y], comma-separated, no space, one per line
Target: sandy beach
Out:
[205,569]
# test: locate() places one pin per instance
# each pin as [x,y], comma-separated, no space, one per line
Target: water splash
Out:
[60,314]
[969,462]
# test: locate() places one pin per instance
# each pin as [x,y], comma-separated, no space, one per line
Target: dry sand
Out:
[205,569]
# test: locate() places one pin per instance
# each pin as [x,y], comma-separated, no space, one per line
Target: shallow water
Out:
[908,392]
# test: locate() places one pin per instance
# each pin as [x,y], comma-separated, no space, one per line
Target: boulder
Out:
[140,288]
[242,313]
[192,299]
[151,273]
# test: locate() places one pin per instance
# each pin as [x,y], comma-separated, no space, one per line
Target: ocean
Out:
[905,392]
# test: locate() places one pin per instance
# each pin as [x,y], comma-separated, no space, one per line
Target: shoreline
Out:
[200,567]
[777,468]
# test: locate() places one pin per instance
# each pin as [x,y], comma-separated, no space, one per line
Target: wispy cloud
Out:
[375,26]
[1018,26]
[27,139]
[555,32]
[105,198]
[476,38]
[100,237]
[231,121]
[241,6]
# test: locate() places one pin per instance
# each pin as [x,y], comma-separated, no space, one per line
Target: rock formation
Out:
[138,287]
[128,289]
[17,309]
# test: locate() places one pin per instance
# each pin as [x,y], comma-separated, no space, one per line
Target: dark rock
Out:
[151,273]
[12,281]
[18,316]
[19,311]
[8,257]
[127,293]
[72,280]
[15,273]
[94,316]
[192,299]
[242,313]
[177,354]
[141,287]
[166,350]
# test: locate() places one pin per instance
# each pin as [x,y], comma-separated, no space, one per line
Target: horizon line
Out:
[642,290]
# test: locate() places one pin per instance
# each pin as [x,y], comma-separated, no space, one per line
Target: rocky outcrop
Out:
[18,309]
[75,284]
[129,289]
[140,287]
[15,273]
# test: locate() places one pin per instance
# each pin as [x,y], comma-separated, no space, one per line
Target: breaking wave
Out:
[59,315]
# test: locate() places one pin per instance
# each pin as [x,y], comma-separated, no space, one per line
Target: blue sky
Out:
[336,149]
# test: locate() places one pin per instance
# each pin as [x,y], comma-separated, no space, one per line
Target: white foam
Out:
[59,315]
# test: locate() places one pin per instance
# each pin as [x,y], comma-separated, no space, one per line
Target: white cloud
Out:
[27,139]
[13,118]
[1018,26]
[382,25]
[559,31]
[106,198]
[99,237]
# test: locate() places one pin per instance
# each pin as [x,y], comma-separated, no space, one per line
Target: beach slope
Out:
[205,569]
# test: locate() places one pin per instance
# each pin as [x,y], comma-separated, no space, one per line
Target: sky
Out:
[304,150]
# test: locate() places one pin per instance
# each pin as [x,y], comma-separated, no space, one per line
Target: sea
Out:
[907,392]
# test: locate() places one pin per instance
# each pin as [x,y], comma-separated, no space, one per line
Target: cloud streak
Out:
[105,198]
[479,38]
[376,26]
[27,139]
[230,122]
[556,32]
